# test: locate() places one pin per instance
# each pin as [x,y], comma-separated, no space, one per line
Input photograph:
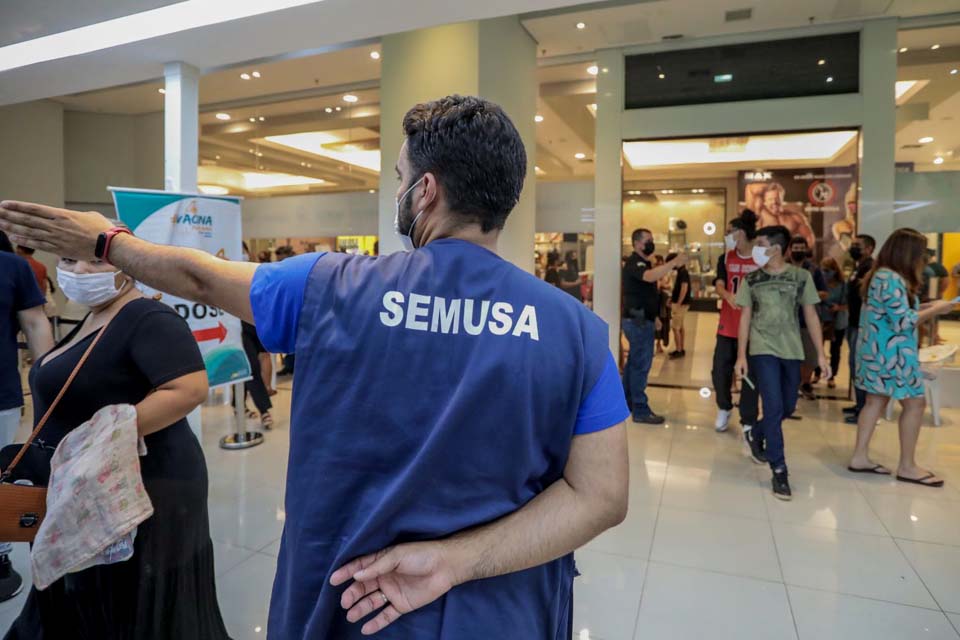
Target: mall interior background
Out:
[308,136]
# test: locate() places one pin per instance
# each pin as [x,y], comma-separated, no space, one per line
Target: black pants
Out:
[255,386]
[836,344]
[724,359]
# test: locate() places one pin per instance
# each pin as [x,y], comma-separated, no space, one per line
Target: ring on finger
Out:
[386,600]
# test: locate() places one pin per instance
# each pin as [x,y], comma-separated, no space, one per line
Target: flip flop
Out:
[878,469]
[921,481]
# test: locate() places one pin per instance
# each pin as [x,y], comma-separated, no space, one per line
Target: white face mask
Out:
[405,238]
[89,289]
[730,241]
[760,256]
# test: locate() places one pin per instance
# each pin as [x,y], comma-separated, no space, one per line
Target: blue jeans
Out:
[640,335]
[778,381]
[859,394]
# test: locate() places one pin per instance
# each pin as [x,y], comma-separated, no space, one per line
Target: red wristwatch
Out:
[105,239]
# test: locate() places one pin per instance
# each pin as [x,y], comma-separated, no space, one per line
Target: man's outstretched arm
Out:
[590,498]
[186,273]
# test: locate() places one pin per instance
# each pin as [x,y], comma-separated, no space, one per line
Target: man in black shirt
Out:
[679,303]
[641,302]
[861,250]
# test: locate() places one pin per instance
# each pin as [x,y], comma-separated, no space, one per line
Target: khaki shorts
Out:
[677,313]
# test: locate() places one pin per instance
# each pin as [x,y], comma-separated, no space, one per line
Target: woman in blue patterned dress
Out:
[888,364]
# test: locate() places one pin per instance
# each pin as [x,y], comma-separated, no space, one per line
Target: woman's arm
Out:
[170,402]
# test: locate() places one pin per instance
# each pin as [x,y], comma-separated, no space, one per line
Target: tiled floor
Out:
[705,551]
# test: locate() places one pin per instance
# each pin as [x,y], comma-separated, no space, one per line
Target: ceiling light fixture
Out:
[953,72]
[212,189]
[375,55]
[223,116]
[903,49]
[244,76]
[253,119]
[217,157]
[162,90]
[938,160]
[821,62]
[829,78]
[261,118]
[581,26]
[538,118]
[372,191]
[579,156]
[329,109]
[256,74]
[662,76]
[925,139]
[338,109]
[935,47]
[350,98]
[593,69]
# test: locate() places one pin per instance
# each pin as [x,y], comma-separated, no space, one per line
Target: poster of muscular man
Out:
[819,205]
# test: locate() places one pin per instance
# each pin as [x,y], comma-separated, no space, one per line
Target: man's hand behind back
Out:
[66,233]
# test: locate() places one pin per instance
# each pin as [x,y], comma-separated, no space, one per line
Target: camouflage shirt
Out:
[775,299]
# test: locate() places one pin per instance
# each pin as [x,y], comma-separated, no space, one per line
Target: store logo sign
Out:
[759,176]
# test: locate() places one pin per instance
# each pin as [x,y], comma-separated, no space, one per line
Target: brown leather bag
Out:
[22,508]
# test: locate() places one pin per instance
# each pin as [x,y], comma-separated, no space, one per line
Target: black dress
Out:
[167,589]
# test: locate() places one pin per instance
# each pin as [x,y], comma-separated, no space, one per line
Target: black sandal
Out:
[878,469]
[922,481]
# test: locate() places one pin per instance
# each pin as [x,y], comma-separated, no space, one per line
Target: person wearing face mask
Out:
[800,256]
[641,306]
[771,299]
[456,427]
[147,358]
[861,252]
[21,309]
[732,268]
[833,314]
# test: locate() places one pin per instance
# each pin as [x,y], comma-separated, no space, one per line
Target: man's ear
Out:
[431,194]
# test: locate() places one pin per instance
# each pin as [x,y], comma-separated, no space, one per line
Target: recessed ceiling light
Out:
[162,90]
[253,119]
[662,76]
[244,76]
[938,160]
[593,69]
[223,116]
[372,191]
[903,49]
[375,55]
[259,154]
[350,98]
[925,139]
[821,62]
[217,157]
[829,78]
[338,108]
[329,109]
[212,189]
[935,47]
[261,118]
[538,118]
[579,156]
[256,74]
[953,72]
[581,25]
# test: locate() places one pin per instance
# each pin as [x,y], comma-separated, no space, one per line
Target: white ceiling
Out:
[653,20]
[308,27]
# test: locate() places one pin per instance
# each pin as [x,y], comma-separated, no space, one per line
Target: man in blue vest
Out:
[456,426]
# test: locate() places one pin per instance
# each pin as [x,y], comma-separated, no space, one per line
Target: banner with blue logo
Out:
[208,223]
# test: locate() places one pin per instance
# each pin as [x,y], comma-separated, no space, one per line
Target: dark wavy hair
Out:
[472,147]
[904,252]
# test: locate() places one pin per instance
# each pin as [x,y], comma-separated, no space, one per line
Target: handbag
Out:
[23,507]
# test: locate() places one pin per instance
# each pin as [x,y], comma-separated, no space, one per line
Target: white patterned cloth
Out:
[95,499]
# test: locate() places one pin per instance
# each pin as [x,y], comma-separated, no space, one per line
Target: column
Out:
[878,74]
[494,59]
[181,136]
[608,185]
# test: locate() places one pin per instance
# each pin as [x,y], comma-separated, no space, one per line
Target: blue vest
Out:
[435,391]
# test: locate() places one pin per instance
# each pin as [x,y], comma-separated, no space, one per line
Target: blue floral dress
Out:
[888,361]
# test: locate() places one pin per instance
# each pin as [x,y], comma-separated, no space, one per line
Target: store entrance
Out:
[686,191]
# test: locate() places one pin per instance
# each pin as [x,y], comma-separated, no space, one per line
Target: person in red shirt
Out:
[733,266]
[39,269]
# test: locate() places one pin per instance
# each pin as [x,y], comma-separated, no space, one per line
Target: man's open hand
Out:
[394,582]
[69,234]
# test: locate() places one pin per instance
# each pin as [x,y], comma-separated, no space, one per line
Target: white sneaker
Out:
[723,420]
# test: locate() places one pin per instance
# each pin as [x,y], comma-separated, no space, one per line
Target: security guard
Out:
[456,426]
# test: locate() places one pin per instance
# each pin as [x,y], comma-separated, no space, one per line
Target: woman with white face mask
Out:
[147,358]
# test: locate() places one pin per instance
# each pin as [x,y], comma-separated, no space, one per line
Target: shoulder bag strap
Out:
[55,402]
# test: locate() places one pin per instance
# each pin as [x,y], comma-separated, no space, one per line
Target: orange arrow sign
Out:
[218,332]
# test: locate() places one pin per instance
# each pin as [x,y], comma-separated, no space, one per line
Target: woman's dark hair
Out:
[5,244]
[553,259]
[778,235]
[746,222]
[474,150]
[904,252]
